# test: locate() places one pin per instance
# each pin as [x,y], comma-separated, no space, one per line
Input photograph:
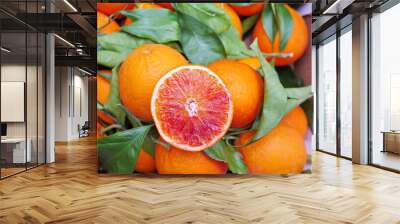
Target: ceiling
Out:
[72,20]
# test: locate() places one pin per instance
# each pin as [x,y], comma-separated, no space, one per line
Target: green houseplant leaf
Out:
[223,152]
[207,13]
[119,152]
[200,44]
[158,25]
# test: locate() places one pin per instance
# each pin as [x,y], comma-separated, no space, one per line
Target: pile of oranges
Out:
[282,150]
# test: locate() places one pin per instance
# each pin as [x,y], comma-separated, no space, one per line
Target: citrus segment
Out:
[191,107]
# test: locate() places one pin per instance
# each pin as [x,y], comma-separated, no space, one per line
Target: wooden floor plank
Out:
[71,191]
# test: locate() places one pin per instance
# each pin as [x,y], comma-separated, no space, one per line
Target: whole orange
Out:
[103,92]
[105,25]
[246,88]
[281,151]
[142,6]
[140,72]
[252,62]
[145,163]
[297,43]
[235,19]
[176,161]
[296,119]
[248,10]
[111,8]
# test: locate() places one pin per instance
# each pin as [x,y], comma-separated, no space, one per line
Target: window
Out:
[346,93]
[385,89]
[327,96]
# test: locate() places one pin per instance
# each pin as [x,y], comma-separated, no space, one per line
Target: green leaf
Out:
[200,44]
[120,41]
[159,25]
[223,152]
[119,152]
[288,78]
[106,76]
[110,58]
[309,110]
[268,22]
[114,100]
[275,98]
[285,24]
[249,22]
[135,122]
[297,96]
[278,101]
[241,4]
[234,47]
[149,144]
[207,13]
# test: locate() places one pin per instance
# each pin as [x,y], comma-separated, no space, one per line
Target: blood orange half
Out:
[191,107]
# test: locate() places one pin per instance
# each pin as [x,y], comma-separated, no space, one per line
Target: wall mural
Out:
[204,88]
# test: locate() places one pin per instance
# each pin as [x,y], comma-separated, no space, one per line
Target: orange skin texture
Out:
[297,120]
[111,8]
[248,10]
[281,151]
[103,92]
[297,43]
[176,161]
[145,163]
[246,88]
[102,21]
[99,127]
[235,19]
[142,6]
[253,62]
[140,72]
[167,6]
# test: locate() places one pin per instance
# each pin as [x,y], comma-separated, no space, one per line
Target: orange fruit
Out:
[99,128]
[252,62]
[103,92]
[191,107]
[145,163]
[111,8]
[281,151]
[235,19]
[142,6]
[176,161]
[246,88]
[105,25]
[140,72]
[297,43]
[167,6]
[296,119]
[249,10]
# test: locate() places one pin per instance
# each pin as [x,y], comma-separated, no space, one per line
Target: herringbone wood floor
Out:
[70,191]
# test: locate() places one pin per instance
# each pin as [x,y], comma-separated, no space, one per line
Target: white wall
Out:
[71,94]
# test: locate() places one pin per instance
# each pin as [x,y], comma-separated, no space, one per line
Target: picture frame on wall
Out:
[204,88]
